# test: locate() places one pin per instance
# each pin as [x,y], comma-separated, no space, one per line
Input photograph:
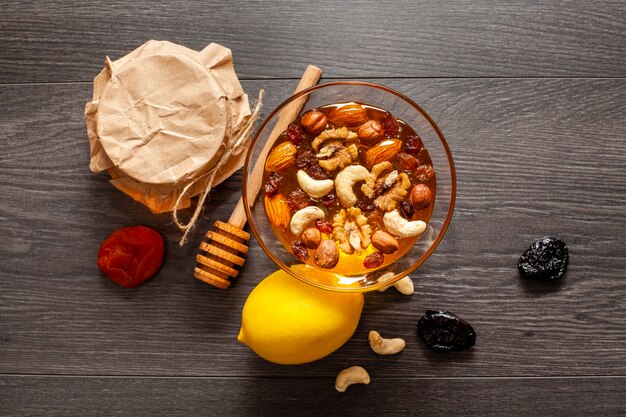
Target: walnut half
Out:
[388,188]
[336,148]
[351,230]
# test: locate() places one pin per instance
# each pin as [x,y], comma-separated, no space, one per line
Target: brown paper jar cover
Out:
[160,119]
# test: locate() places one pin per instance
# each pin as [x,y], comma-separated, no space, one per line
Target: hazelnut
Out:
[421,196]
[327,254]
[384,242]
[311,237]
[314,122]
[370,131]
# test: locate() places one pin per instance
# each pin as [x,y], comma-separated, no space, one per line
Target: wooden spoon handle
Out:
[310,78]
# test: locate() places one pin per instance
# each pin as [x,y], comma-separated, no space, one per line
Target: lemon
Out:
[287,321]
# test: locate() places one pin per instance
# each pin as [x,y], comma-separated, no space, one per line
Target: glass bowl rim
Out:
[422,258]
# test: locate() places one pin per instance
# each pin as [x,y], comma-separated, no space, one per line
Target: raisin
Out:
[329,200]
[298,199]
[545,260]
[406,162]
[365,205]
[390,126]
[406,209]
[324,226]
[299,250]
[316,172]
[424,172]
[273,184]
[444,332]
[375,218]
[373,260]
[305,158]
[413,145]
[295,133]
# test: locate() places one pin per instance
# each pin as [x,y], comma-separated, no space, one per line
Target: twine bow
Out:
[234,144]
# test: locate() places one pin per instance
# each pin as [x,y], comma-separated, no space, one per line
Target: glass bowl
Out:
[401,107]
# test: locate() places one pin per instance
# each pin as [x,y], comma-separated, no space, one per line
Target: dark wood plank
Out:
[103,396]
[534,157]
[67,40]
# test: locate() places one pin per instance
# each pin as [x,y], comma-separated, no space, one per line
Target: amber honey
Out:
[359,135]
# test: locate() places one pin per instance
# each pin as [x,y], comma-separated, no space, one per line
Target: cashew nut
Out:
[349,376]
[404,286]
[345,180]
[314,188]
[303,217]
[401,227]
[385,346]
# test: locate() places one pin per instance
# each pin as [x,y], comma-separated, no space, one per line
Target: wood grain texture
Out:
[101,396]
[534,157]
[67,40]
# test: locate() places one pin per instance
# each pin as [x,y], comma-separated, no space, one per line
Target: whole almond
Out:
[327,254]
[314,122]
[277,210]
[311,237]
[383,151]
[370,131]
[384,242]
[349,115]
[421,196]
[281,157]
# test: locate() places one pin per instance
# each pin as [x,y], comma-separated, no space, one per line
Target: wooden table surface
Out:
[531,97]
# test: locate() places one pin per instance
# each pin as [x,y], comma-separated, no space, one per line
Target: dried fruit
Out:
[298,200]
[327,254]
[370,131]
[366,204]
[281,157]
[413,145]
[390,126]
[424,172]
[545,260]
[375,218]
[407,210]
[311,237]
[314,122]
[406,162]
[329,200]
[273,184]
[277,210]
[295,134]
[384,242]
[384,151]
[324,226]
[305,158]
[373,260]
[444,332]
[421,196]
[351,114]
[131,255]
[299,250]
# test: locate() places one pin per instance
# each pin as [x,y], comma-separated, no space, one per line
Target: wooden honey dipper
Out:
[219,256]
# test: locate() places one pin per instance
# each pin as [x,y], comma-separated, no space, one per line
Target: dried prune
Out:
[413,145]
[373,260]
[329,200]
[324,226]
[407,210]
[444,332]
[298,199]
[406,162]
[273,184]
[295,133]
[299,250]
[545,260]
[390,126]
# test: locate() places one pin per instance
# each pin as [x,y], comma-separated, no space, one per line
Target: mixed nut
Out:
[348,179]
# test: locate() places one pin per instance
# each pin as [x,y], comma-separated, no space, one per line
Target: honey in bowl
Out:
[348,188]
